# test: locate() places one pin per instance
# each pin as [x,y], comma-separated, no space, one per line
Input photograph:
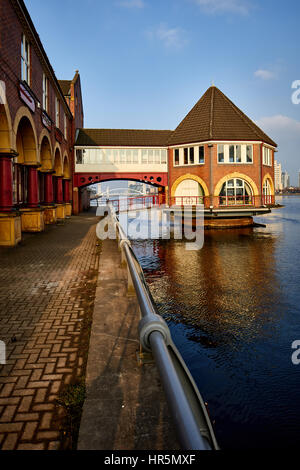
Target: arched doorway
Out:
[236,192]
[45,172]
[189,192]
[27,160]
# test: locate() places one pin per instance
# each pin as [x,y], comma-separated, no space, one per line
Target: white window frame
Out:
[25,60]
[226,152]
[45,93]
[267,156]
[181,155]
[57,112]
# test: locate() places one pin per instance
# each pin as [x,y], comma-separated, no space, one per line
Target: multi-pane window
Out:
[45,93]
[189,156]
[25,60]
[130,156]
[235,191]
[57,112]
[235,153]
[267,156]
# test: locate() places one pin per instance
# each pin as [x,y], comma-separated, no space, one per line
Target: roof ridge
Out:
[211,112]
[120,129]
[245,118]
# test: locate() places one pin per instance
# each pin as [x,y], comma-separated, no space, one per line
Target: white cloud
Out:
[132,4]
[265,74]
[172,38]
[241,7]
[281,125]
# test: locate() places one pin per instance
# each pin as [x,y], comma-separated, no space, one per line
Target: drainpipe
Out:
[211,174]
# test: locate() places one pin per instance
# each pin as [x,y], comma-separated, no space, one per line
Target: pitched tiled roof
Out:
[215,117]
[123,137]
[65,86]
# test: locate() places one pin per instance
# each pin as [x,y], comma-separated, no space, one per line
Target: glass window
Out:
[25,60]
[128,156]
[186,158]
[45,92]
[116,155]
[236,192]
[122,156]
[220,153]
[164,156]
[176,157]
[150,156]
[79,157]
[157,156]
[231,153]
[135,154]
[201,154]
[144,156]
[108,155]
[57,114]
[192,158]
[249,153]
[238,153]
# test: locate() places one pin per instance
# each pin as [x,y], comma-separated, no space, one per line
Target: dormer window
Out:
[25,60]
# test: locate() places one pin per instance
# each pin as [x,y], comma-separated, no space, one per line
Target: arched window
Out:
[236,192]
[189,192]
[267,192]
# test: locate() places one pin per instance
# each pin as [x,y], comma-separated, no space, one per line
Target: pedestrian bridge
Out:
[114,154]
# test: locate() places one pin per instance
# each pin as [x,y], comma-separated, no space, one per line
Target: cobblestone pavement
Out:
[47,290]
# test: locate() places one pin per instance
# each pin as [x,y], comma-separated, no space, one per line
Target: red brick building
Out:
[219,157]
[38,118]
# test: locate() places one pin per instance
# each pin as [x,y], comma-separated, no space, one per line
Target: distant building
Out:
[278,176]
[285,180]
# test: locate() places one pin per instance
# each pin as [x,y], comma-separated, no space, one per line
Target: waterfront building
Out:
[216,156]
[278,176]
[38,117]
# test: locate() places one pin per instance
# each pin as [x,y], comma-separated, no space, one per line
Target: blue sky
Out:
[145,63]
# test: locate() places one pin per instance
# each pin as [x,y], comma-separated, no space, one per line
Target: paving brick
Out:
[50,282]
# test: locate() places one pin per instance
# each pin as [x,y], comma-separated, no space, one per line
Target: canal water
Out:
[233,309]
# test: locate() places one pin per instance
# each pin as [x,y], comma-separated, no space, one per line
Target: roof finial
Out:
[212,83]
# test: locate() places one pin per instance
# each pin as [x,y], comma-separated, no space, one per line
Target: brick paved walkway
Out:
[47,290]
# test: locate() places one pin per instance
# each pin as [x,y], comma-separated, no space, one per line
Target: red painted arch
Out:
[85,179]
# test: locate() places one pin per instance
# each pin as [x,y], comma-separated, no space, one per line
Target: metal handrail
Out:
[192,422]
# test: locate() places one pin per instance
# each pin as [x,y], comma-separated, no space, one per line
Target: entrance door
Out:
[189,192]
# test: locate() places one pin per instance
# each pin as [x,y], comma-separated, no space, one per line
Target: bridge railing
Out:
[190,416]
[136,202]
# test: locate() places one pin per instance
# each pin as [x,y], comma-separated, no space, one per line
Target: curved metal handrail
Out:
[192,422]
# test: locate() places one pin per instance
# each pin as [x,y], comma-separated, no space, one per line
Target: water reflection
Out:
[233,310]
[224,290]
